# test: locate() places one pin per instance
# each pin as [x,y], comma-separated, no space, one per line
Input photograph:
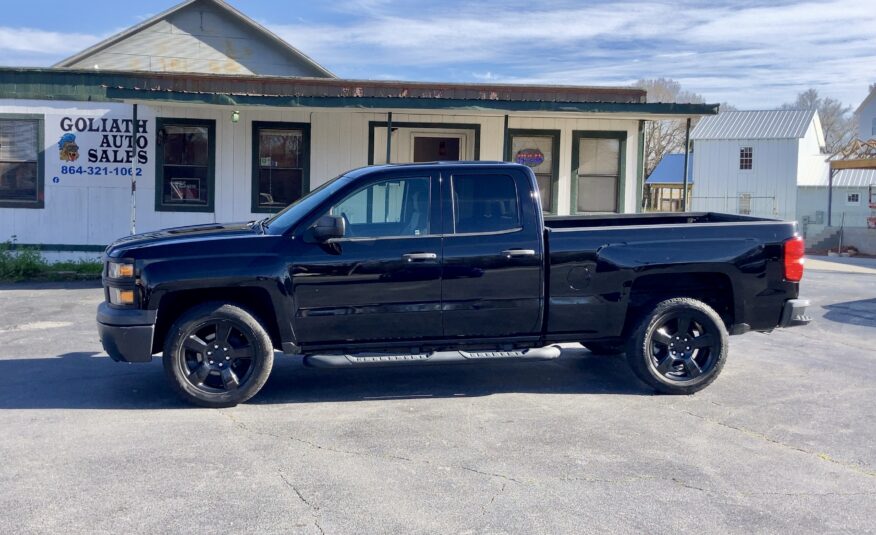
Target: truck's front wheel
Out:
[217,355]
[680,347]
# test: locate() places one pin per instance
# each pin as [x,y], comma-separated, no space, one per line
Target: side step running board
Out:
[435,357]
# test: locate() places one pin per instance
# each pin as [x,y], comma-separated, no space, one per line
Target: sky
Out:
[750,53]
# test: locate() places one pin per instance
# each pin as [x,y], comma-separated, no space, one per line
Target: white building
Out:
[866,116]
[854,192]
[234,123]
[751,162]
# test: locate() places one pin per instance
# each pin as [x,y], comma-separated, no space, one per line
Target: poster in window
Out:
[185,190]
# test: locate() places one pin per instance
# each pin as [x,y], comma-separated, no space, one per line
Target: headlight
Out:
[117,270]
[121,296]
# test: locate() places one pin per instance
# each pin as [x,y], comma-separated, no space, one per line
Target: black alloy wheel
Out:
[217,355]
[679,347]
[683,348]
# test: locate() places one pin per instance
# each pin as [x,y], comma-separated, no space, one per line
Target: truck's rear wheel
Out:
[680,347]
[217,355]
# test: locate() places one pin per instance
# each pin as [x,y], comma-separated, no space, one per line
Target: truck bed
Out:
[604,261]
[619,220]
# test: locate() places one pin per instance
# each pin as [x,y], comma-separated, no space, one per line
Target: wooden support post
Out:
[388,136]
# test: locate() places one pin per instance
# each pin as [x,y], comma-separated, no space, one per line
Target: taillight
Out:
[794,258]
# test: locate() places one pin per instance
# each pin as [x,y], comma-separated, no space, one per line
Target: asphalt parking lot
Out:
[782,441]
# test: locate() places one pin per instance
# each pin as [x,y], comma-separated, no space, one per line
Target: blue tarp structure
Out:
[670,170]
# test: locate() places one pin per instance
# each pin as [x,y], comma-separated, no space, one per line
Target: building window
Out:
[185,165]
[280,173]
[746,155]
[21,161]
[744,207]
[598,163]
[540,151]
[853,199]
[873,127]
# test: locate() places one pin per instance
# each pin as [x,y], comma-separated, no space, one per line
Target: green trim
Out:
[395,124]
[657,108]
[555,156]
[640,168]
[103,86]
[254,149]
[59,247]
[40,201]
[577,135]
[210,124]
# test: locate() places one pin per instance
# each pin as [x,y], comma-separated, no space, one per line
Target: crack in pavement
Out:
[488,474]
[358,453]
[631,479]
[492,499]
[507,478]
[820,455]
[314,509]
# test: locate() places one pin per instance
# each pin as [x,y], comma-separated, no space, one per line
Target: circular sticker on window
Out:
[529,157]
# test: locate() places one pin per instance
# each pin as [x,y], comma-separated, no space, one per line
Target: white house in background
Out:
[751,162]
[853,192]
[866,115]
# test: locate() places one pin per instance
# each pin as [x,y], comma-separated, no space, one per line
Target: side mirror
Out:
[328,227]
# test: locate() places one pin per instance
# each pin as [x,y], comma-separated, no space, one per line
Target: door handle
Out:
[419,257]
[511,253]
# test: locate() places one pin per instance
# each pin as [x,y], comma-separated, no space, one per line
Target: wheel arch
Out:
[715,288]
[254,299]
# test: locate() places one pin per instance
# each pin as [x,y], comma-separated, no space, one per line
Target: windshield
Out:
[282,221]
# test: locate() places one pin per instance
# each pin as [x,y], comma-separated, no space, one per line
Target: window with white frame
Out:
[746,157]
[853,199]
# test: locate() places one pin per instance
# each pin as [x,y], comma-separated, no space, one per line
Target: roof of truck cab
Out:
[361,171]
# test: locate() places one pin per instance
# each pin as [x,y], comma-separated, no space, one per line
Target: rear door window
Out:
[484,203]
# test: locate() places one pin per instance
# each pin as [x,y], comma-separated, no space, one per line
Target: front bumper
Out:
[794,313]
[126,334]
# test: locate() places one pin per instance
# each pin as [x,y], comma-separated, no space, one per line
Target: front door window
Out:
[394,207]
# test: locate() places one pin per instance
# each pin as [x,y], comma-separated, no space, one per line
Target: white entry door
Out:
[424,144]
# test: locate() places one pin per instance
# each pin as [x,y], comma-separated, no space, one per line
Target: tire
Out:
[680,347]
[217,355]
[603,348]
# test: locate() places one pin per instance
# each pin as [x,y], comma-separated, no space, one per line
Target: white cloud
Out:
[32,41]
[752,53]
[748,54]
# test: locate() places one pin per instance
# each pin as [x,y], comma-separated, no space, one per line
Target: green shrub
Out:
[18,263]
[22,263]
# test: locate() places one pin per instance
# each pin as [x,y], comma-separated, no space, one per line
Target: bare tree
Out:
[836,118]
[664,137]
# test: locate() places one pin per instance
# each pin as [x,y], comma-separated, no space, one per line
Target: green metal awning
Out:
[236,90]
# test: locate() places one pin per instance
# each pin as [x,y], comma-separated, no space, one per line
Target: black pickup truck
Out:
[444,262]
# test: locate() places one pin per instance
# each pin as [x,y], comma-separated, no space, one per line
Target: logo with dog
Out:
[67,148]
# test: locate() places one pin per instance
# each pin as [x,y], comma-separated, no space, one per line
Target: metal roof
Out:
[846,178]
[670,170]
[758,124]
